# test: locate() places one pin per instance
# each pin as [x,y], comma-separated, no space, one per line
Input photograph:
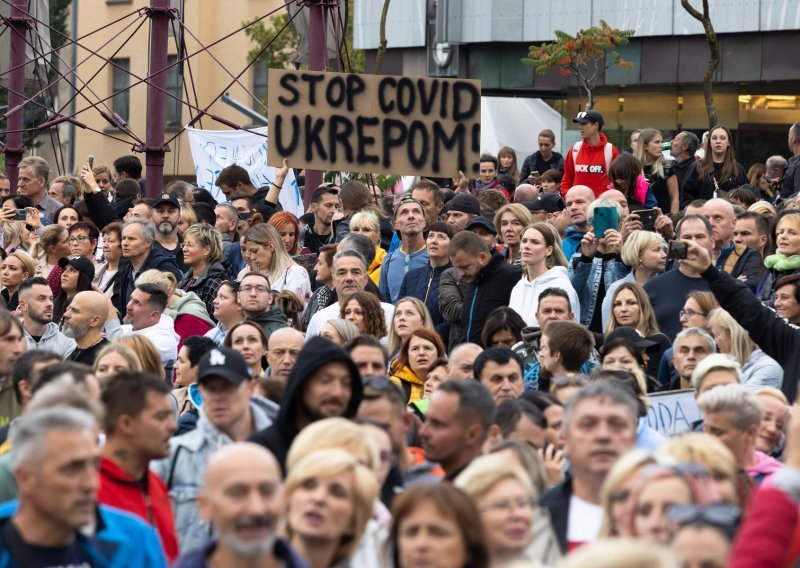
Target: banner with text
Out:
[673,412]
[374,124]
[212,150]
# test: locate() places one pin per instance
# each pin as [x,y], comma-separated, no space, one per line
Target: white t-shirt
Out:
[583,522]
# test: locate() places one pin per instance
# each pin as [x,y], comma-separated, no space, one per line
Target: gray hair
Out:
[360,243]
[603,202]
[691,141]
[346,329]
[613,393]
[699,332]
[739,402]
[715,362]
[41,169]
[67,391]
[350,253]
[33,427]
[777,162]
[147,227]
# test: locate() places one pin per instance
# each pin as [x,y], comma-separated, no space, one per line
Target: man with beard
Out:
[241,497]
[255,297]
[139,421]
[599,426]
[229,414]
[144,315]
[323,384]
[166,215]
[36,306]
[83,321]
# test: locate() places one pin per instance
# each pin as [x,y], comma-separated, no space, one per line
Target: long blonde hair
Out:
[394,341]
[738,338]
[268,236]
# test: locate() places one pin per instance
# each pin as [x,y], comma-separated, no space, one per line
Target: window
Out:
[120,81]
[174,88]
[260,82]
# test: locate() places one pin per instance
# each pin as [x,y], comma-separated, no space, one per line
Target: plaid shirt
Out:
[206,285]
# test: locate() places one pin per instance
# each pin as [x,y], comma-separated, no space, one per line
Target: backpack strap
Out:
[608,150]
[171,474]
[575,149]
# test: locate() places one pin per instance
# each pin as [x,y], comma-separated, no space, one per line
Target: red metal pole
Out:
[18,22]
[317,61]
[160,14]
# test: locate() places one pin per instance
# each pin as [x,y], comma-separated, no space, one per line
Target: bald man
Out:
[461,360]
[282,349]
[578,199]
[525,192]
[242,497]
[83,321]
[739,261]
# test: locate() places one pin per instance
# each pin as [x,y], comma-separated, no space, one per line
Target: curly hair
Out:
[374,320]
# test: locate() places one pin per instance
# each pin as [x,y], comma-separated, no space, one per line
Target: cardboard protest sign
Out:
[374,124]
[673,412]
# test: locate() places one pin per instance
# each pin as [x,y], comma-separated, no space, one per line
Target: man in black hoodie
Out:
[488,281]
[324,383]
[140,252]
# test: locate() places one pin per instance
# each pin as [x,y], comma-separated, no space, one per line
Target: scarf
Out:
[782,263]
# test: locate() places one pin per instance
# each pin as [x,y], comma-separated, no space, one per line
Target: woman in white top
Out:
[543,266]
[264,252]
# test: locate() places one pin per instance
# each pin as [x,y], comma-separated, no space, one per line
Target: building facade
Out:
[756,86]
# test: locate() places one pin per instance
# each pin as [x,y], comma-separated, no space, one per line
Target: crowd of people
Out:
[459,375]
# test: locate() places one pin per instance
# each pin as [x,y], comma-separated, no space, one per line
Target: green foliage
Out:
[282,51]
[582,56]
[59,13]
[382,181]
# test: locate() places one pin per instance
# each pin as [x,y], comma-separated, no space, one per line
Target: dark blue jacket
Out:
[120,540]
[159,258]
[423,284]
[198,558]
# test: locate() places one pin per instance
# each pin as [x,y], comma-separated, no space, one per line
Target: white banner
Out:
[673,412]
[212,150]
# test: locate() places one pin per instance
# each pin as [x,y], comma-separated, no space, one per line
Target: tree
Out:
[713,61]
[281,52]
[382,39]
[583,56]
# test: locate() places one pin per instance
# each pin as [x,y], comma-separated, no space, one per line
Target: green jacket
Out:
[9,408]
[269,320]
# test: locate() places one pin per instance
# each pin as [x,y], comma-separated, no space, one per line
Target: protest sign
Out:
[673,412]
[374,124]
[212,150]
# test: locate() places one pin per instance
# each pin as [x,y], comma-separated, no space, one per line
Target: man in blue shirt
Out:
[409,221]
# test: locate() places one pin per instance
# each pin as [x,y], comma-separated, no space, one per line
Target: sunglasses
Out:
[717,514]
[569,381]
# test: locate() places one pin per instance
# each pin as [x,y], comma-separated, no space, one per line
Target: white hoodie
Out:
[161,334]
[525,295]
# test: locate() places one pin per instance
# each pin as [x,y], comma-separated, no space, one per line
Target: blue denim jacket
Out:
[586,276]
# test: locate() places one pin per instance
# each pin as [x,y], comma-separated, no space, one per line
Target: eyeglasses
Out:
[569,381]
[690,314]
[258,289]
[508,505]
[718,514]
[78,239]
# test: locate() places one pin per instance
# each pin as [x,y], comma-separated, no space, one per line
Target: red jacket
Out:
[120,490]
[588,168]
[767,536]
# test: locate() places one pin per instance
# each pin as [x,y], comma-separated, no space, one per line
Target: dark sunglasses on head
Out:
[718,514]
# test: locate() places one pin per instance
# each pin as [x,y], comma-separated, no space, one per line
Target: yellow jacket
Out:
[375,268]
[407,376]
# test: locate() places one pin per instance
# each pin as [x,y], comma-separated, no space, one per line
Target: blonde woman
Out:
[17,267]
[658,172]
[616,492]
[543,266]
[410,314]
[758,368]
[506,500]
[645,252]
[202,253]
[146,353]
[264,252]
[188,218]
[367,224]
[114,358]
[772,432]
[329,496]
[510,222]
